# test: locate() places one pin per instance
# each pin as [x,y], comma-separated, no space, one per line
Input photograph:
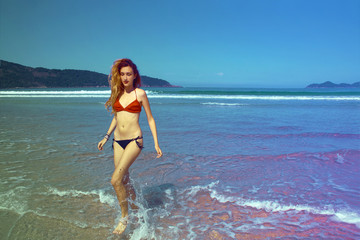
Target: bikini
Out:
[124,143]
[133,107]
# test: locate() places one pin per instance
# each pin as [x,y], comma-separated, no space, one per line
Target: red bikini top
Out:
[133,107]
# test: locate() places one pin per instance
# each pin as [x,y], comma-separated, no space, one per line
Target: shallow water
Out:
[244,164]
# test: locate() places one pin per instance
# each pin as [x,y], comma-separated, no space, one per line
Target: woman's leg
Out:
[130,191]
[123,160]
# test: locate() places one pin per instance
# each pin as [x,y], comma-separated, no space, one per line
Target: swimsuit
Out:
[133,107]
[124,143]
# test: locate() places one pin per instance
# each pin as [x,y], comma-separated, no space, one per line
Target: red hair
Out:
[116,85]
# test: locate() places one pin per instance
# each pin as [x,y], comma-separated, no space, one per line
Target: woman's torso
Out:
[127,123]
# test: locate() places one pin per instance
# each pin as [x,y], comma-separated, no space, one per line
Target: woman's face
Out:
[127,76]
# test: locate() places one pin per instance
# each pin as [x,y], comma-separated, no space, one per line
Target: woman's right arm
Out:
[106,138]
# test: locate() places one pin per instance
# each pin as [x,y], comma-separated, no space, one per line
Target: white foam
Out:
[53,96]
[145,229]
[345,215]
[348,217]
[61,94]
[155,94]
[15,200]
[41,92]
[103,197]
[224,104]
[255,97]
[195,189]
[339,158]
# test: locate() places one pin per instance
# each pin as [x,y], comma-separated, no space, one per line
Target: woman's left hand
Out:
[159,152]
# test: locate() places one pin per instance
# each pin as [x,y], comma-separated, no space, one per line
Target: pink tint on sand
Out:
[210,219]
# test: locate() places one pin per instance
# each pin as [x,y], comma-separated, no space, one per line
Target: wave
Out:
[100,194]
[224,104]
[267,92]
[343,215]
[255,97]
[21,201]
[275,96]
[15,199]
[40,92]
[298,135]
[57,94]
[60,94]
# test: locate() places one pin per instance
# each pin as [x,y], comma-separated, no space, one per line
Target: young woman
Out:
[126,100]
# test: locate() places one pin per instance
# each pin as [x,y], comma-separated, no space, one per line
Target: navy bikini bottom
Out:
[124,143]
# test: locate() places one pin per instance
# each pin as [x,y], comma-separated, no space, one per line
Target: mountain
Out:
[13,75]
[329,84]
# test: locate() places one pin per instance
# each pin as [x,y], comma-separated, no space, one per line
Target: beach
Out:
[238,164]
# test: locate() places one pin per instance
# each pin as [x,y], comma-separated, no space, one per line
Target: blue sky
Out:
[267,43]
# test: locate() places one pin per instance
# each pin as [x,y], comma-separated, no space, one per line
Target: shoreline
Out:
[44,87]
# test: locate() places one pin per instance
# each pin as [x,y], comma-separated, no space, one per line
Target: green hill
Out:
[329,84]
[13,75]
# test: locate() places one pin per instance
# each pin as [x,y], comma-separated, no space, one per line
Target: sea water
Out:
[237,164]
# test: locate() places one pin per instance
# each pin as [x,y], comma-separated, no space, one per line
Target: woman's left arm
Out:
[145,103]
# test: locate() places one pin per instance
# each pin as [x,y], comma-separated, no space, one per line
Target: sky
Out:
[191,43]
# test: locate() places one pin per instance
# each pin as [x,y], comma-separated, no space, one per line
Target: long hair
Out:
[116,85]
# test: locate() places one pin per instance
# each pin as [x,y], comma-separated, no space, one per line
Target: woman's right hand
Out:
[159,152]
[101,144]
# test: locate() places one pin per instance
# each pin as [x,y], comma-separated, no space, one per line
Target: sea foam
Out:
[100,194]
[158,94]
[342,215]
[224,104]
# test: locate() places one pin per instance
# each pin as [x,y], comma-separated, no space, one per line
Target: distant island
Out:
[329,84]
[13,75]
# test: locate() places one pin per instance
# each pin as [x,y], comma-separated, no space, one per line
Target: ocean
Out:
[237,164]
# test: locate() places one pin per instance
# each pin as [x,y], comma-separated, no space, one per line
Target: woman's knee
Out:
[118,179]
[116,182]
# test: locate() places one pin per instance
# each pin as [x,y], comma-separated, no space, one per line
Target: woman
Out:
[128,141]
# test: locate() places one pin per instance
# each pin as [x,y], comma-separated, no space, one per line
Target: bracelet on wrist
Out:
[107,136]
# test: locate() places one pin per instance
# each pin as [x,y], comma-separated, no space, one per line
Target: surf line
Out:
[347,216]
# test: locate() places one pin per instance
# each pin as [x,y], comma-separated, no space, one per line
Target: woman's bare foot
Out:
[121,226]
